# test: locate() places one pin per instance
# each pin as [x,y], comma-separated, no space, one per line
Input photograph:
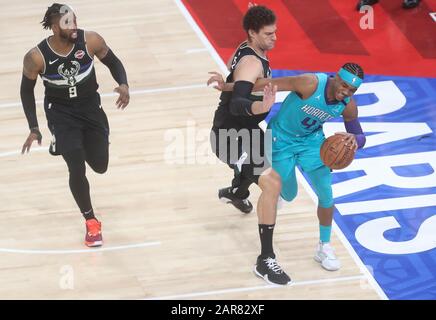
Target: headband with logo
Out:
[350,78]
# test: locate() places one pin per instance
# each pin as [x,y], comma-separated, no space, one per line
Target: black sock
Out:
[242,191]
[266,240]
[89,215]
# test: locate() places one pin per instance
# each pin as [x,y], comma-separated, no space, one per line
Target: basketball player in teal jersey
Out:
[65,62]
[297,136]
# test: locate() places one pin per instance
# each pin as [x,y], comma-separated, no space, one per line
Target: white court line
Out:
[167,89]
[12,153]
[195,50]
[132,93]
[90,250]
[202,37]
[300,177]
[264,287]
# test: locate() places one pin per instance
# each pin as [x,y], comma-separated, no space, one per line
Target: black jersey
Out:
[68,78]
[223,118]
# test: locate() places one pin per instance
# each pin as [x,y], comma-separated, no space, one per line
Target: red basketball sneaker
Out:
[93,236]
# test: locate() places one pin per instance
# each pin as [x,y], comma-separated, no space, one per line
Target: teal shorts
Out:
[286,152]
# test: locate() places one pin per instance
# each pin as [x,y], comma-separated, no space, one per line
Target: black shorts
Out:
[242,150]
[79,125]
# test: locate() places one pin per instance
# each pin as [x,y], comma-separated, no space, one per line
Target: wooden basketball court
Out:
[166,233]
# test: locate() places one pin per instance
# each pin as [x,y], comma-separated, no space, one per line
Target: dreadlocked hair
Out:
[354,68]
[54,11]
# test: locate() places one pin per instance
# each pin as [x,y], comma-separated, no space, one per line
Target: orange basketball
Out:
[335,154]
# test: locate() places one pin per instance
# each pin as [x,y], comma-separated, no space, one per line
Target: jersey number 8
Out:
[73,92]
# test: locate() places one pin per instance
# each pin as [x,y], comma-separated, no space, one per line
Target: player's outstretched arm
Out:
[302,83]
[33,64]
[247,71]
[97,46]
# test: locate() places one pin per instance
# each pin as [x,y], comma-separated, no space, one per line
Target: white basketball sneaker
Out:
[326,256]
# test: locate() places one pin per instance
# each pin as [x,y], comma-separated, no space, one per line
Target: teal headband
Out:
[350,78]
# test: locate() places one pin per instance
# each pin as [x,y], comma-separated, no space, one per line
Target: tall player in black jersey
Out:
[65,63]
[236,119]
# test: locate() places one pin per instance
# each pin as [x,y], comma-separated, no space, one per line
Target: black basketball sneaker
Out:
[227,195]
[268,269]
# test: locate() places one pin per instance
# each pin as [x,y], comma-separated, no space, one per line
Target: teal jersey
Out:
[301,117]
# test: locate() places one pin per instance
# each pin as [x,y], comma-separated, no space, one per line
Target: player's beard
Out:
[68,37]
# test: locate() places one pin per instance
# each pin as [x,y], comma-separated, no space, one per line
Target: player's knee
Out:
[100,170]
[99,166]
[325,197]
[272,182]
[321,180]
[98,163]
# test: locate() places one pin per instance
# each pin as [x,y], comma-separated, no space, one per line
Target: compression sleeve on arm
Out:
[354,127]
[116,67]
[28,100]
[240,105]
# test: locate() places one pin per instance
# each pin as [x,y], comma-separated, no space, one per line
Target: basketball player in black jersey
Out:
[238,116]
[250,56]
[65,63]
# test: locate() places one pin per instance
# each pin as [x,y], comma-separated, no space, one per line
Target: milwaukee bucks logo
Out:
[69,71]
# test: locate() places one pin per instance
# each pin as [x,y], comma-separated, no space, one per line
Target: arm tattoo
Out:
[30,67]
